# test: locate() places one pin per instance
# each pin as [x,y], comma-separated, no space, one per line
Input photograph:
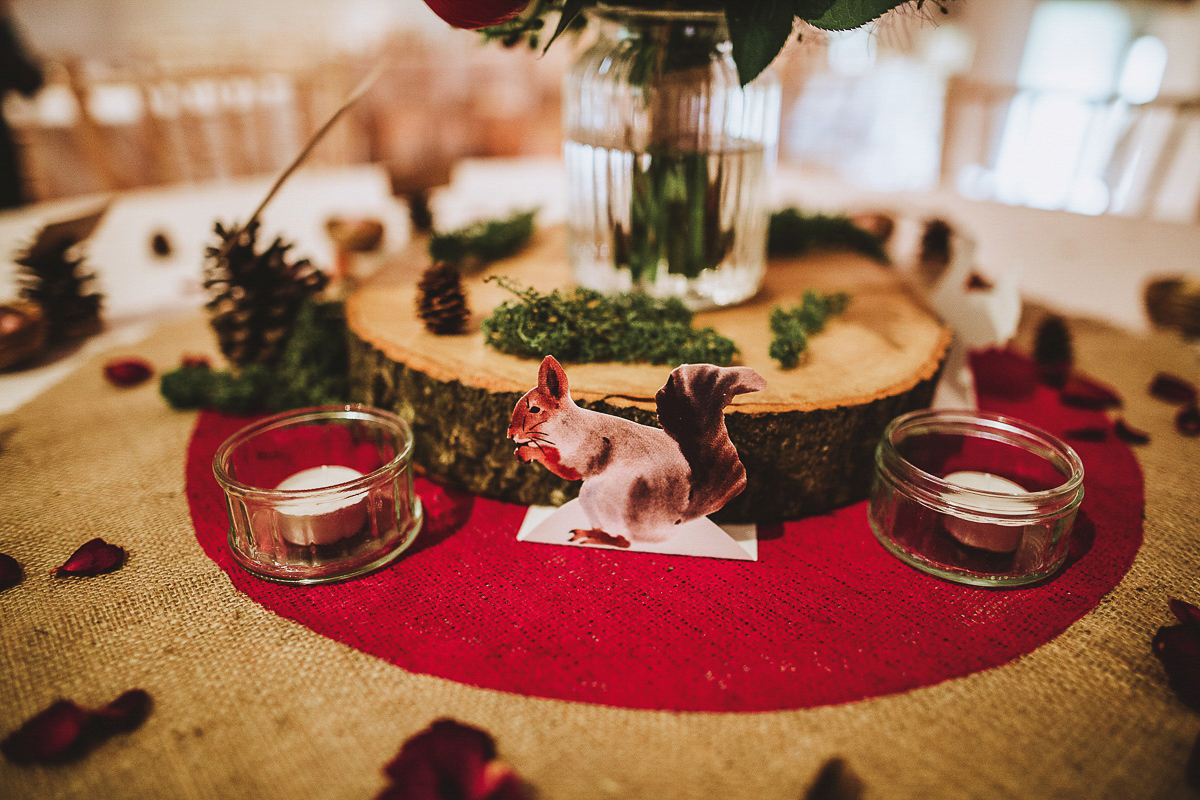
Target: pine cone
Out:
[51,278]
[441,302]
[936,250]
[1052,350]
[254,297]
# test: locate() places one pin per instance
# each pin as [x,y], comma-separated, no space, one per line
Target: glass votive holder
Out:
[319,494]
[975,497]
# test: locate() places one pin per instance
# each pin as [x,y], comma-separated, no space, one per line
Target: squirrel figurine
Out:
[640,482]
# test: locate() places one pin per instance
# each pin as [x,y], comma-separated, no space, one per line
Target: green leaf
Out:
[758,31]
[845,15]
[570,11]
[811,9]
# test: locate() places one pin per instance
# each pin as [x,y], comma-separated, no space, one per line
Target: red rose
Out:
[476,13]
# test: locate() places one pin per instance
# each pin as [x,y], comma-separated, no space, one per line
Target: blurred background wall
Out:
[1092,106]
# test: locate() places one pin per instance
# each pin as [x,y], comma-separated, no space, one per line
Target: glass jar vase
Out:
[668,158]
[319,494]
[975,497]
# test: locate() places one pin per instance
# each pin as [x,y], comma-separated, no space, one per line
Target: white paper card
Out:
[697,537]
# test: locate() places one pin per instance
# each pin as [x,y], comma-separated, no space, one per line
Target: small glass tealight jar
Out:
[319,494]
[975,497]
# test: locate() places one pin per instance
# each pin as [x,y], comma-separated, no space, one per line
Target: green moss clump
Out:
[477,244]
[311,370]
[792,327]
[584,326]
[793,233]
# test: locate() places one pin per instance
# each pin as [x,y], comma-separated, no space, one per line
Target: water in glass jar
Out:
[674,222]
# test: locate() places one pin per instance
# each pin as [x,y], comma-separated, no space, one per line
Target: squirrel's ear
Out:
[551,378]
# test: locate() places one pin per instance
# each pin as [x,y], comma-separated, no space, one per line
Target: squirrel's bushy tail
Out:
[690,410]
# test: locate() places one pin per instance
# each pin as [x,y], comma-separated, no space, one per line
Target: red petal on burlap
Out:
[501,782]
[126,713]
[450,760]
[126,372]
[49,735]
[1081,392]
[476,13]
[1187,421]
[93,558]
[1172,389]
[1185,612]
[1178,648]
[10,571]
[66,730]
[1092,433]
[1129,434]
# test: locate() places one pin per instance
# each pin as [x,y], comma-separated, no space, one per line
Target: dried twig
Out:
[312,142]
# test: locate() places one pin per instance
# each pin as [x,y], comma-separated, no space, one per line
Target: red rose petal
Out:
[10,571]
[125,713]
[1187,421]
[49,735]
[1185,612]
[126,372]
[450,760]
[476,13]
[1080,392]
[1172,389]
[65,730]
[93,558]
[1128,434]
[501,782]
[1178,648]
[1090,434]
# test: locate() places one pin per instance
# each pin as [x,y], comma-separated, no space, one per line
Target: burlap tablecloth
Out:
[250,705]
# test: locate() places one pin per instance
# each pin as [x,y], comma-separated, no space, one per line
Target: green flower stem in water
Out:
[675,217]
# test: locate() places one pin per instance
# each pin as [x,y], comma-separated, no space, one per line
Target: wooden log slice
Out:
[807,441]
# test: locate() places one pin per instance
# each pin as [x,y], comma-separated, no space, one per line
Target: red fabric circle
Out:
[824,616]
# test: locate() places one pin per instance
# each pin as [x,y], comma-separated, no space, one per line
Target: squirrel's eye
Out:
[534,410]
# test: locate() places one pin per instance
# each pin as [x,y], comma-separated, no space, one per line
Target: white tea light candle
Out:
[987,535]
[321,521]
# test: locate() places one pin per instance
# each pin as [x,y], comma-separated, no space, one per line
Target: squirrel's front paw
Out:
[597,536]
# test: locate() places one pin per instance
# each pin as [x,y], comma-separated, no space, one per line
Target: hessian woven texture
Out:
[250,704]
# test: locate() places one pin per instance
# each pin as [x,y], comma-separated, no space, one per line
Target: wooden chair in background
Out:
[95,129]
[106,132]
